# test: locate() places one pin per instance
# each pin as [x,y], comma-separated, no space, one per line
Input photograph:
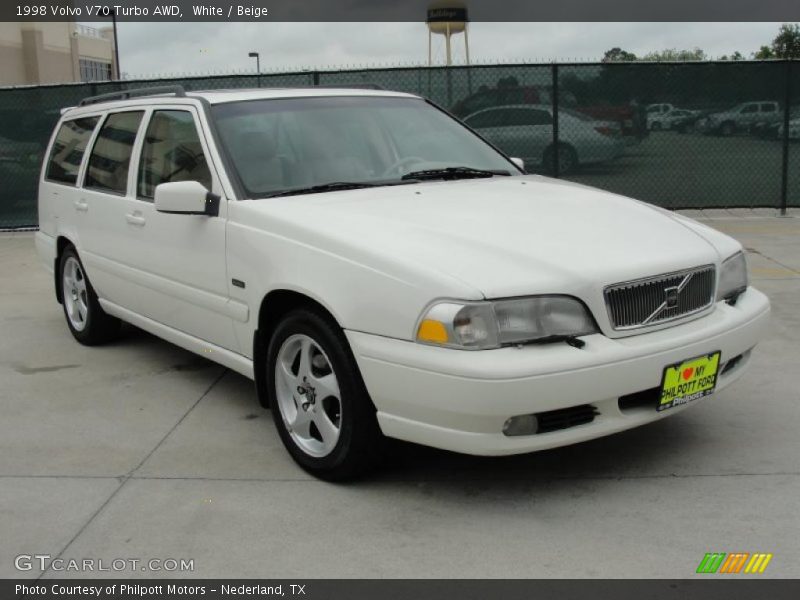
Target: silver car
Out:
[527,131]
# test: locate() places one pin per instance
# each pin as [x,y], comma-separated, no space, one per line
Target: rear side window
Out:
[523,116]
[68,148]
[111,155]
[489,118]
[171,152]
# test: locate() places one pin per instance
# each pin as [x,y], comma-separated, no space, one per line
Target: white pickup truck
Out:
[740,118]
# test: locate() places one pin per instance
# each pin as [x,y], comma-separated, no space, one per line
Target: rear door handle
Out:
[135,219]
[81,205]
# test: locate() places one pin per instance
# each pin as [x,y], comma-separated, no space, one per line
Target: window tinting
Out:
[68,149]
[171,152]
[111,155]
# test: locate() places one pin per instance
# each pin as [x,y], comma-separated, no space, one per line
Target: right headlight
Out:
[484,325]
[732,278]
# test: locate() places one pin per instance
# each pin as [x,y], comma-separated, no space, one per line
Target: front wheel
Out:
[319,403]
[86,319]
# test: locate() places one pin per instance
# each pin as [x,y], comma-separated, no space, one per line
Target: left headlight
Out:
[484,325]
[732,278]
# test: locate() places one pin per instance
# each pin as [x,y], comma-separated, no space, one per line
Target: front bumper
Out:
[459,400]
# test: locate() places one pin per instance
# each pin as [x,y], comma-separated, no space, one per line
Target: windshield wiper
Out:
[334,186]
[453,173]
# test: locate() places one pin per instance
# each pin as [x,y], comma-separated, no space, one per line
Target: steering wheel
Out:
[395,166]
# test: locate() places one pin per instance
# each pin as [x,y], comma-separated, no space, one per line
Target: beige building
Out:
[32,53]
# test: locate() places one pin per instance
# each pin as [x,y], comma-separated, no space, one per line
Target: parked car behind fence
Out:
[527,131]
[740,118]
[631,118]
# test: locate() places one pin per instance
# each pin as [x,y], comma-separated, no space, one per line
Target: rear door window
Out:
[111,155]
[68,148]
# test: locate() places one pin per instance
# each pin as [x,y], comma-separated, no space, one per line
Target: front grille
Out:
[564,418]
[661,298]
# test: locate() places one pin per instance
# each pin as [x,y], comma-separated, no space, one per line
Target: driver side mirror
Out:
[186,198]
[519,162]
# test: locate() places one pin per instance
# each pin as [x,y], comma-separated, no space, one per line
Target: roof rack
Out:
[350,86]
[135,93]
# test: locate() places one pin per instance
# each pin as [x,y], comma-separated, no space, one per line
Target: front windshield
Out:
[295,143]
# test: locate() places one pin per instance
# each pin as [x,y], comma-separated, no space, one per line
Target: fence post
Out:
[554,102]
[787,102]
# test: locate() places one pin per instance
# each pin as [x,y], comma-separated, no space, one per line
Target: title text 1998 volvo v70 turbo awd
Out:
[380,270]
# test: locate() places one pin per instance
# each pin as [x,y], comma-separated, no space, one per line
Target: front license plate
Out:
[688,380]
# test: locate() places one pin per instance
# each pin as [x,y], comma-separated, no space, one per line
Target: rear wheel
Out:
[86,319]
[727,128]
[319,403]
[567,159]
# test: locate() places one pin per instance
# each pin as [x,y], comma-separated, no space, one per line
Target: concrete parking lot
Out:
[142,450]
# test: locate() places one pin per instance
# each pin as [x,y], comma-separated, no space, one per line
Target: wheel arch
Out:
[274,306]
[569,146]
[62,243]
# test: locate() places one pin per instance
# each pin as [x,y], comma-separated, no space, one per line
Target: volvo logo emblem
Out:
[671,296]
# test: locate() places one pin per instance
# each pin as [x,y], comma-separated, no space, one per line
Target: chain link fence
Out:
[679,135]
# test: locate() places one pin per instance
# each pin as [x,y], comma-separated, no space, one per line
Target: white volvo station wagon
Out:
[379,270]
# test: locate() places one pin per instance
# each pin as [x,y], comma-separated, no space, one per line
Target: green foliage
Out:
[764,53]
[735,56]
[618,55]
[787,43]
[672,54]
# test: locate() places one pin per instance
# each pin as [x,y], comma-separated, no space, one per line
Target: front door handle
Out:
[135,219]
[81,205]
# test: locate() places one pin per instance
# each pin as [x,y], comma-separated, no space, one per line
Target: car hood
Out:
[504,236]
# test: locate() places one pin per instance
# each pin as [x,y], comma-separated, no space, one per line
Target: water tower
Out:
[447,17]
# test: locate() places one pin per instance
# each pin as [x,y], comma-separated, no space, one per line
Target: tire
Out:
[309,363]
[727,129]
[567,160]
[86,319]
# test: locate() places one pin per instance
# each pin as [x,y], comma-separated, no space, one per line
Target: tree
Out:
[787,43]
[735,56]
[618,55]
[764,53]
[671,54]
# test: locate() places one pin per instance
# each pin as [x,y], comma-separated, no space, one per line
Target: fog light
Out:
[521,425]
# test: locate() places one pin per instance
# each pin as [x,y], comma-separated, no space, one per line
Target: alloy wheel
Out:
[76,299]
[308,395]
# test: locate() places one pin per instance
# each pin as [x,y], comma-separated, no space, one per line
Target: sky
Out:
[153,49]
